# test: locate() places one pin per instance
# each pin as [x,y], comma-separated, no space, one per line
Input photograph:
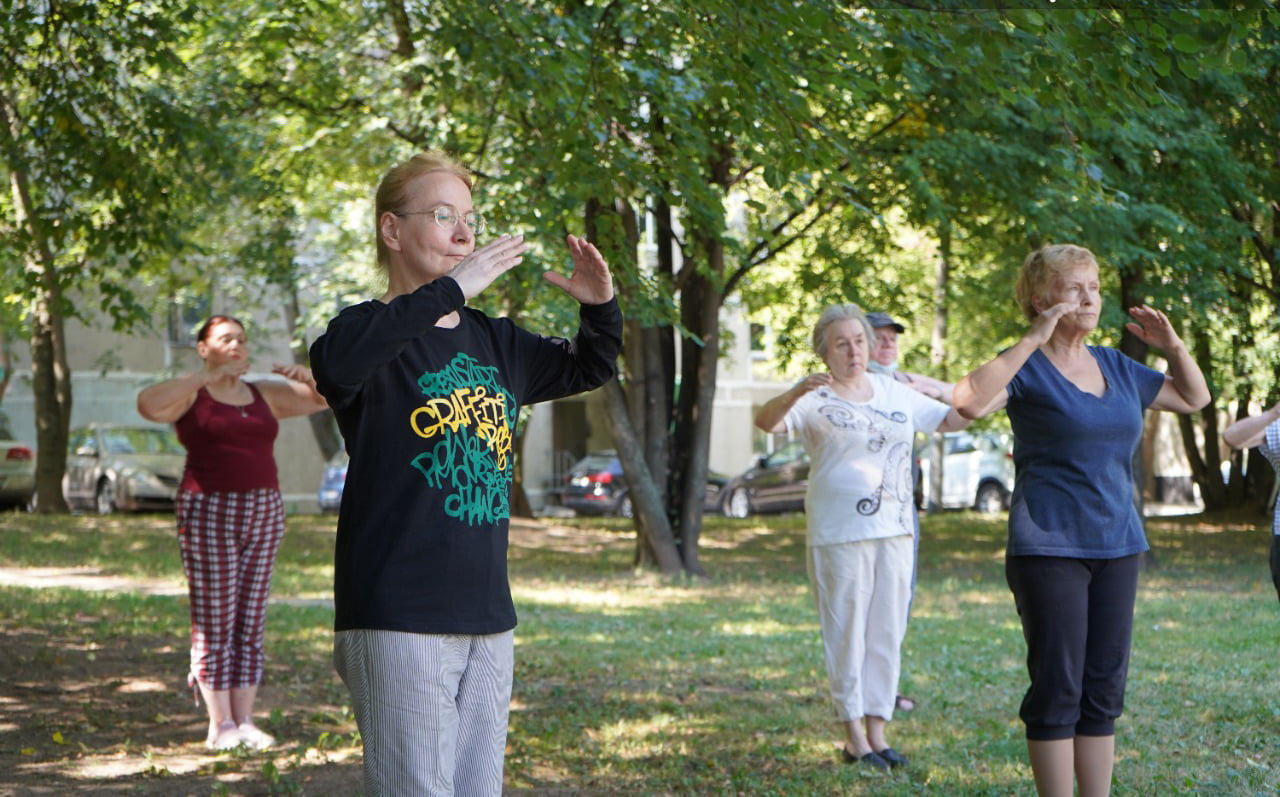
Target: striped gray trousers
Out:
[431,708]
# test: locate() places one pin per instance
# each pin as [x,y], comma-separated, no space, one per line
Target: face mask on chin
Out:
[876,368]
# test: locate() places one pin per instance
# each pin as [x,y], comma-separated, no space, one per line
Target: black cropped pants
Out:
[1077,619]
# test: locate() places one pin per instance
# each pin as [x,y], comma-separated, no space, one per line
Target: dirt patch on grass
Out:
[116,718]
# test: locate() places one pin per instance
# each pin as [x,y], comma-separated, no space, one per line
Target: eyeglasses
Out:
[448,218]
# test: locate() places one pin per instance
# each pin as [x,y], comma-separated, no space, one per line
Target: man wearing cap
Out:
[884,359]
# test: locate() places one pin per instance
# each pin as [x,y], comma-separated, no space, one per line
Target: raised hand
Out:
[228,371]
[479,269]
[294,372]
[590,281]
[813,382]
[1045,323]
[1153,328]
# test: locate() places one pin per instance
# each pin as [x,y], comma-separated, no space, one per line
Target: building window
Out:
[759,342]
[186,314]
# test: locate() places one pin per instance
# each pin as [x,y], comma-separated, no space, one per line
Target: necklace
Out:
[244,410]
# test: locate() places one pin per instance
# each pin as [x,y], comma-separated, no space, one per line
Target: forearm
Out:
[954,422]
[1248,432]
[771,417]
[936,388]
[975,394]
[167,401]
[293,397]
[357,344]
[559,367]
[1187,378]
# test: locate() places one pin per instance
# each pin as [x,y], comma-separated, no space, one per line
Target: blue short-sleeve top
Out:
[1073,453]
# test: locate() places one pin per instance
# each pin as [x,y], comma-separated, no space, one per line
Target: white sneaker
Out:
[254,738]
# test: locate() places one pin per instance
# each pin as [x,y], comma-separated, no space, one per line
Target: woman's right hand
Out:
[812,382]
[479,269]
[227,372]
[1043,325]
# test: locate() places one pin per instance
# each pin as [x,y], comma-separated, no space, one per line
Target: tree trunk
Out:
[654,539]
[323,426]
[51,389]
[1205,470]
[646,499]
[6,364]
[938,357]
[51,378]
[700,312]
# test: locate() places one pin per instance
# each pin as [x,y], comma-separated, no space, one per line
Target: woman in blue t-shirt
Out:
[1074,533]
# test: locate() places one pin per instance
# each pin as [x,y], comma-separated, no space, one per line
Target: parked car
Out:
[114,467]
[329,496]
[595,486]
[776,482]
[17,468]
[977,471]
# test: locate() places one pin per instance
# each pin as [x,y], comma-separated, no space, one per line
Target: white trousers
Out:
[862,591]
[432,709]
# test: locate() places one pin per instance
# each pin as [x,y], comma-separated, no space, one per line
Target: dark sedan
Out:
[595,486]
[775,483]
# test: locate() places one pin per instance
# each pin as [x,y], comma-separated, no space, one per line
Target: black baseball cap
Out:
[879,319]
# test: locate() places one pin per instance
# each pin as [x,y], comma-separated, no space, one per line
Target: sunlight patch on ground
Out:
[140,685]
[124,764]
[86,578]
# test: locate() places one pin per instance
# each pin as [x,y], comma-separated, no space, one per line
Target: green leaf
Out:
[1186,43]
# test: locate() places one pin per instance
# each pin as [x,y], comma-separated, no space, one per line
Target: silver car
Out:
[977,470]
[17,468]
[114,467]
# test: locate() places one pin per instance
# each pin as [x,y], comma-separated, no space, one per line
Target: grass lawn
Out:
[627,684]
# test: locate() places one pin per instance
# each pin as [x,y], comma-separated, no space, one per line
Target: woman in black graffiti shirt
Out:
[426,392]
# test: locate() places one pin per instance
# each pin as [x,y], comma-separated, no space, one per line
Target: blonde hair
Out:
[1041,268]
[834,313]
[393,189]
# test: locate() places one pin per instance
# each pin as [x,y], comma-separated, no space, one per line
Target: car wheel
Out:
[104,501]
[624,506]
[990,499]
[738,504]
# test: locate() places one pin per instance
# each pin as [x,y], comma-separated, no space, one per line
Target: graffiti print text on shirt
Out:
[468,418]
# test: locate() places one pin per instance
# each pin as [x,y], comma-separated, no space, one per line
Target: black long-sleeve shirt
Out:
[429,415]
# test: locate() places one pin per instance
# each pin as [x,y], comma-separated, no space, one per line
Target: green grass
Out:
[628,683]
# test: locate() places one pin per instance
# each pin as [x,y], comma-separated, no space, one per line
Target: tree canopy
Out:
[779,152]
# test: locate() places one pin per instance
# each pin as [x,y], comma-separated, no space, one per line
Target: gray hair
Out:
[834,313]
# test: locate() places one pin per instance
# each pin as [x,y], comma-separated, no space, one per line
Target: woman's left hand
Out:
[297,373]
[590,282]
[1153,328]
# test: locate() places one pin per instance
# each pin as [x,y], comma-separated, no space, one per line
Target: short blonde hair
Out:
[834,313]
[393,189]
[1041,268]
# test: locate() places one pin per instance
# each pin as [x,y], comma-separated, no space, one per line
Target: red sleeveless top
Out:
[229,448]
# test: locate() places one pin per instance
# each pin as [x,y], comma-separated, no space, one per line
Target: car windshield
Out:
[789,453]
[593,463]
[140,441]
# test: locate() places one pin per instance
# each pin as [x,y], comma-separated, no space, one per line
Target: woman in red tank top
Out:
[230,515]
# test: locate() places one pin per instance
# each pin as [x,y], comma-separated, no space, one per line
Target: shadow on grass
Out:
[626,683]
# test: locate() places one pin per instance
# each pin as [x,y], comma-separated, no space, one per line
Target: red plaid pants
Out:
[229,543]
